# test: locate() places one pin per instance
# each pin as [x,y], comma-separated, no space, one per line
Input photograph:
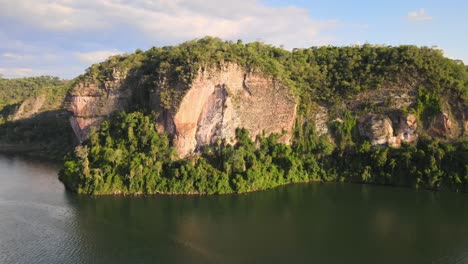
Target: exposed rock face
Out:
[91,103]
[441,126]
[221,100]
[217,102]
[29,107]
[406,131]
[321,118]
[384,98]
[376,127]
[379,130]
[82,126]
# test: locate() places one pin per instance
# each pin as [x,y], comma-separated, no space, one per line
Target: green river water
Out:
[40,222]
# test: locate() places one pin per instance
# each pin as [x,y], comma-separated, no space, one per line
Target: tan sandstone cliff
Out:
[218,101]
[91,103]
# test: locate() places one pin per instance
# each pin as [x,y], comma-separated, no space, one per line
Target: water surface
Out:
[40,222]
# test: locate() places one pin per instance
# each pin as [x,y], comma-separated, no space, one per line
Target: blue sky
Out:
[64,37]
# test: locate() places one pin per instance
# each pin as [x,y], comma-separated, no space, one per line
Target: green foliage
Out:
[344,130]
[430,164]
[128,156]
[317,74]
[428,104]
[44,133]
[14,91]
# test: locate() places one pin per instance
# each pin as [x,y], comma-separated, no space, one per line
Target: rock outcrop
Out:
[376,127]
[406,130]
[441,126]
[218,101]
[380,129]
[321,119]
[91,103]
[29,107]
[221,100]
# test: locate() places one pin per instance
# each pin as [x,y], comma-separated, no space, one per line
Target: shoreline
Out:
[122,194]
[34,151]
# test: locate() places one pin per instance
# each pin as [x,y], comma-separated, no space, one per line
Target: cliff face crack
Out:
[244,85]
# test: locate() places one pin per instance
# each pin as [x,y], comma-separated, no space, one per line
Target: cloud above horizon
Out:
[19,72]
[174,21]
[96,56]
[88,31]
[419,16]
[64,37]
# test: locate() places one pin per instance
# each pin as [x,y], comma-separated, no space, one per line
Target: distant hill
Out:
[32,118]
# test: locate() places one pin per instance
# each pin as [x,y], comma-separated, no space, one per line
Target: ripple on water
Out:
[34,232]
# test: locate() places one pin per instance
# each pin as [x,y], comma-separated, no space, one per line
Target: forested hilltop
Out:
[373,114]
[32,118]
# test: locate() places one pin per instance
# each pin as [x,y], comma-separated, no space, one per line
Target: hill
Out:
[32,118]
[210,116]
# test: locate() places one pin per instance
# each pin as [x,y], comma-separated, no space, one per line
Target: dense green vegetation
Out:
[128,156]
[13,92]
[318,74]
[45,132]
[16,90]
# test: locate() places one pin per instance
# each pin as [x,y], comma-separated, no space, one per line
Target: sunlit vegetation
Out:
[128,156]
[318,74]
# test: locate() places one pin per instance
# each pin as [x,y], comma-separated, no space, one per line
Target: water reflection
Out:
[324,223]
[315,223]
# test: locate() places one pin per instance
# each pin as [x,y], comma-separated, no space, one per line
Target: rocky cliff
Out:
[380,129]
[203,90]
[218,101]
[93,102]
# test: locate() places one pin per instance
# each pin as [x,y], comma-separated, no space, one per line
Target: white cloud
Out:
[63,37]
[174,20]
[419,16]
[31,56]
[16,72]
[52,15]
[9,56]
[95,56]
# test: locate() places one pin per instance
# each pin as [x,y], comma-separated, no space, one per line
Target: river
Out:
[40,222]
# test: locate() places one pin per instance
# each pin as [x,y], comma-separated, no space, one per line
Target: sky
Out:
[64,37]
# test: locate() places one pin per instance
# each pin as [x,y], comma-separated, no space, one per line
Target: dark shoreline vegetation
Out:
[128,156]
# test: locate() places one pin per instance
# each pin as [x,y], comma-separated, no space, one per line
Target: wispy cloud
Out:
[77,33]
[9,56]
[419,16]
[16,72]
[96,56]
[173,21]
